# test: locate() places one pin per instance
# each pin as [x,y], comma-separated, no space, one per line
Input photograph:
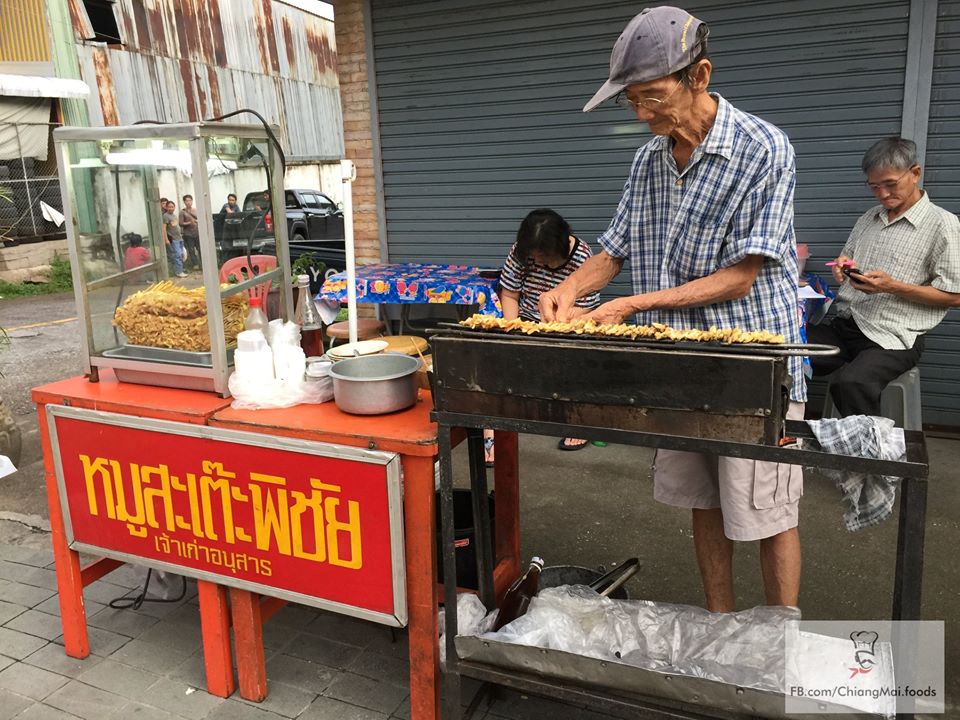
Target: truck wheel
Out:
[9,435]
[298,238]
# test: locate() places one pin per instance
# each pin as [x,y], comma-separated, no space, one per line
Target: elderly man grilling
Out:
[706,218]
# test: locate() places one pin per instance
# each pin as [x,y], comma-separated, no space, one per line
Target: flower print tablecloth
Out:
[409,283]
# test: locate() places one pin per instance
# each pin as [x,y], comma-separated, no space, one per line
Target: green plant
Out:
[309,264]
[60,280]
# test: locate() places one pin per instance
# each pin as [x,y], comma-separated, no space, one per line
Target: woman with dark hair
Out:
[545,254]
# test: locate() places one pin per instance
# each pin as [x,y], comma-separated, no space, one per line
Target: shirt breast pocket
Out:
[694,250]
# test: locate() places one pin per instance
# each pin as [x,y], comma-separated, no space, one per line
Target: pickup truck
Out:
[314,225]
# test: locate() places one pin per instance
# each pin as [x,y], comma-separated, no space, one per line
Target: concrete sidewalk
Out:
[147,663]
[588,508]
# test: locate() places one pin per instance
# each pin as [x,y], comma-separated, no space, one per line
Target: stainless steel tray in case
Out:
[165,355]
[173,368]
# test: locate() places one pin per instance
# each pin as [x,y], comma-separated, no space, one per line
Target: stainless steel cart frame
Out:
[542,400]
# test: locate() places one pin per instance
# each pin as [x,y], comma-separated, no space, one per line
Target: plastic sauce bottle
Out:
[307,317]
[256,318]
[516,599]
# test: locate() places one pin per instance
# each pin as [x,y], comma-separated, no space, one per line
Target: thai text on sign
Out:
[315,520]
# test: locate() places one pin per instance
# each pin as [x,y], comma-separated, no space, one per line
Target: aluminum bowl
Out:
[375,384]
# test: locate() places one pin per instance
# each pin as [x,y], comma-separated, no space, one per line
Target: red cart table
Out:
[410,434]
[111,396]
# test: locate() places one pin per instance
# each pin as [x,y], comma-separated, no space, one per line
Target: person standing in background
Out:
[174,239]
[191,231]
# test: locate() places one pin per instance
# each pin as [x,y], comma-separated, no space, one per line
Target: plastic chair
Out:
[240,268]
[900,401]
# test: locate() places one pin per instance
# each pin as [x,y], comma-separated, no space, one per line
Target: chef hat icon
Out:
[864,640]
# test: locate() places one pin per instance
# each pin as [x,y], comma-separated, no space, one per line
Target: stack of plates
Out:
[362,347]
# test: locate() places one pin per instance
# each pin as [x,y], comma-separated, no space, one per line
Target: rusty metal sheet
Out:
[104,85]
[186,60]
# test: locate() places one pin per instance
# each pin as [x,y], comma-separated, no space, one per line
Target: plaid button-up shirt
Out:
[921,247]
[734,198]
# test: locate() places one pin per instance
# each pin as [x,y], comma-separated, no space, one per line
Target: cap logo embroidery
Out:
[683,34]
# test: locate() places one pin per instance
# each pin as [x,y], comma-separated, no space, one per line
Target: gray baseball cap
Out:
[657,42]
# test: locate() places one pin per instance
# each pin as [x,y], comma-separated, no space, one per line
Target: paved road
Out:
[45,346]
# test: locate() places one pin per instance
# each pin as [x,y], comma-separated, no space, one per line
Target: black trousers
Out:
[862,369]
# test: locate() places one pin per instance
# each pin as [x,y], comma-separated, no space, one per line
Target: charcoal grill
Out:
[679,389]
[703,397]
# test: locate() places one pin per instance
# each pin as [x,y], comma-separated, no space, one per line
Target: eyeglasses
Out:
[889,185]
[648,103]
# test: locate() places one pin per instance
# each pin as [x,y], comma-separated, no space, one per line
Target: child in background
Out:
[546,253]
[136,254]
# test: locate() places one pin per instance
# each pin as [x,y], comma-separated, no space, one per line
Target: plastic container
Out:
[254,364]
[256,318]
[251,341]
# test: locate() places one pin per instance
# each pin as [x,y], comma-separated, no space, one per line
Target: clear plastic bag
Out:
[743,648]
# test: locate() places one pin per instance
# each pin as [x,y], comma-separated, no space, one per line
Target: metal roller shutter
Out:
[480,111]
[939,368]
[480,121]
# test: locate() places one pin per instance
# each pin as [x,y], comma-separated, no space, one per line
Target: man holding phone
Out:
[899,273]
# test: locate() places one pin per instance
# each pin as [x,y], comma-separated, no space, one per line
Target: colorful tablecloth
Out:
[415,283]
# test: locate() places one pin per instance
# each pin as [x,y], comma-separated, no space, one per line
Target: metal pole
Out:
[349,174]
[26,185]
[450,702]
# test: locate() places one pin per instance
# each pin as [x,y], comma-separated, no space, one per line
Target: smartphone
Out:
[848,271]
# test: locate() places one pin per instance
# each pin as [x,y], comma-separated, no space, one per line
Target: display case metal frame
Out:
[199,376]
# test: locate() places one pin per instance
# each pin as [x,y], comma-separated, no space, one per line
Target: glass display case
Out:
[162,290]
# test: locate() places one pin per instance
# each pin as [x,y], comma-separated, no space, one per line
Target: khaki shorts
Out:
[758,499]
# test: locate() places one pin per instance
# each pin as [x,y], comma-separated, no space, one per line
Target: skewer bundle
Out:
[170,316]
[655,331]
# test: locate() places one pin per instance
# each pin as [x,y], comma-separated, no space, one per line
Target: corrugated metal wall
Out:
[23,31]
[190,59]
[480,111]
[939,368]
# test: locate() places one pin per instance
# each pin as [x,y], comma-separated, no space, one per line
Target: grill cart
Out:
[701,397]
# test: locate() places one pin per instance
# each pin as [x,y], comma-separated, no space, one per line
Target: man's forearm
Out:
[595,274]
[927,295]
[729,283]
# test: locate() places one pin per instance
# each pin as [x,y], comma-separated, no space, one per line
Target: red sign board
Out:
[310,522]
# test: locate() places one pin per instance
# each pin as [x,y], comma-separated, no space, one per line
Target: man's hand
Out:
[612,312]
[558,304]
[873,282]
[837,268]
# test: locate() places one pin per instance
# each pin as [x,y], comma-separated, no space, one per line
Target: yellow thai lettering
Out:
[271,514]
[216,480]
[94,470]
[336,527]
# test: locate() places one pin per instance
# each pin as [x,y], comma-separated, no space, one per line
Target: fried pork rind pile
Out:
[656,331]
[169,316]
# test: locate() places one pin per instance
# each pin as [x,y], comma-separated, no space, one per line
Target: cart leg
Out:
[73,615]
[421,559]
[481,517]
[248,636]
[908,581]
[451,675]
[215,631]
[506,486]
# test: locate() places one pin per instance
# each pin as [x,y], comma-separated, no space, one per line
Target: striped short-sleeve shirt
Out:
[920,247]
[532,280]
[734,198]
